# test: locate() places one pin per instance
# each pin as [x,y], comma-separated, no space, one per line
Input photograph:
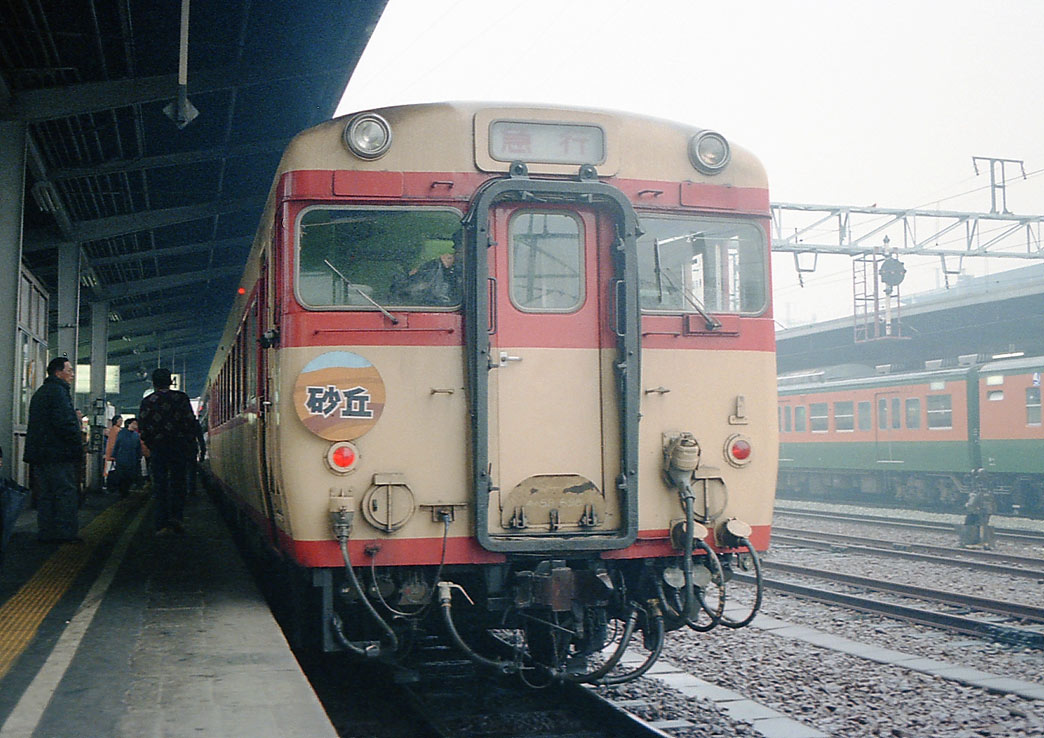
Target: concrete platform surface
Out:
[172,639]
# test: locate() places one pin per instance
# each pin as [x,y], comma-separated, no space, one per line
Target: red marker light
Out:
[741,450]
[738,450]
[342,457]
[242,290]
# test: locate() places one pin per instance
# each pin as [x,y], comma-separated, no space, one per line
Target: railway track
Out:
[453,699]
[1028,637]
[1012,534]
[997,563]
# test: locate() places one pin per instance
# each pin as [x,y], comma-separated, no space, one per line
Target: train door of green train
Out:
[553,432]
[888,446]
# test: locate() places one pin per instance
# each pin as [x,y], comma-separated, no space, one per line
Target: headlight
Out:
[709,152]
[368,136]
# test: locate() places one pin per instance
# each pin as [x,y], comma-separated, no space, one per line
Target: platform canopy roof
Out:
[976,319]
[164,216]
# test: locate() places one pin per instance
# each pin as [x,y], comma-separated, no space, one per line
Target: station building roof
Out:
[997,314]
[164,216]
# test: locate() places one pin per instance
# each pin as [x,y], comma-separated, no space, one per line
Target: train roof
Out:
[1031,363]
[637,146]
[832,383]
[877,380]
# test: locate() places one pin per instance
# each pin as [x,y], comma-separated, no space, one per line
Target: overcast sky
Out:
[846,102]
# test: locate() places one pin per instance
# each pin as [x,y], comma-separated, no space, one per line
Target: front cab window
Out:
[688,264]
[394,257]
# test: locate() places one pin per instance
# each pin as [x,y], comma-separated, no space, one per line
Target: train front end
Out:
[524,378]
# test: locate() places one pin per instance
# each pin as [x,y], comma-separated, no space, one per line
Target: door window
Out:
[546,262]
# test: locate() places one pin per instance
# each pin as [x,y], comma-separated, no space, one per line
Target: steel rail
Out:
[1000,607]
[1002,633]
[443,710]
[979,560]
[1026,536]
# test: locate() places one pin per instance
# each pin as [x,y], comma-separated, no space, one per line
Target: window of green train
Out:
[799,419]
[720,264]
[939,410]
[359,258]
[1033,406]
[818,417]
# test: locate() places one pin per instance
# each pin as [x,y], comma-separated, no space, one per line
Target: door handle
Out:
[505,357]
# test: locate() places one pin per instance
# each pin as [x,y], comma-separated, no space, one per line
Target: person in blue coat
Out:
[54,450]
[126,453]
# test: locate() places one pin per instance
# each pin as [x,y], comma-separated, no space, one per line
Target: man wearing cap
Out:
[168,429]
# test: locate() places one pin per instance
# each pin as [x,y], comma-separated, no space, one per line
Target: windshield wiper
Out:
[712,323]
[656,266]
[352,286]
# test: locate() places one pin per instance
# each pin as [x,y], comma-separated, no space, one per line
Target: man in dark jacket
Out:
[54,449]
[169,428]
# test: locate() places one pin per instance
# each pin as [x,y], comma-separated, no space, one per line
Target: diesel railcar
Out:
[916,437]
[504,367]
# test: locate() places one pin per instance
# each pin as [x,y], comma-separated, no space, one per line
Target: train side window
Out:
[251,352]
[718,265]
[897,418]
[995,395]
[353,257]
[799,419]
[940,411]
[1033,406]
[882,414]
[913,413]
[865,419]
[786,418]
[546,262]
[819,417]
[844,416]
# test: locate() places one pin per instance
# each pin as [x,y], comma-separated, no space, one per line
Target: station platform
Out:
[136,634]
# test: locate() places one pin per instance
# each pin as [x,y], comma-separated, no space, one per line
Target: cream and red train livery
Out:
[523,352]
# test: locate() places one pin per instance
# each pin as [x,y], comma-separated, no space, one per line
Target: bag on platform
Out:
[13,499]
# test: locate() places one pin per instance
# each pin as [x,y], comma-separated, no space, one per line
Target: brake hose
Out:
[446,602]
[654,654]
[612,661]
[729,623]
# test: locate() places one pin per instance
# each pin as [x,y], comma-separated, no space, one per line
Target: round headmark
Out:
[339,396]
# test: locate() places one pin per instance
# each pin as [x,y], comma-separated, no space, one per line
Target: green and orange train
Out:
[916,437]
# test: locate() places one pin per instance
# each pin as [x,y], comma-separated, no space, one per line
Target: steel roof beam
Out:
[178,347]
[152,323]
[141,287]
[189,248]
[170,160]
[121,225]
[66,101]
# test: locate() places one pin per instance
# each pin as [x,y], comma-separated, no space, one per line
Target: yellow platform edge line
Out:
[22,614]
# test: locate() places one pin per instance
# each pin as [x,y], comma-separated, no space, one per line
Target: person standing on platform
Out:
[110,441]
[54,451]
[127,455]
[168,428]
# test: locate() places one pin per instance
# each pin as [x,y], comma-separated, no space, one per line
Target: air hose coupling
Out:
[681,458]
[654,608]
[342,514]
